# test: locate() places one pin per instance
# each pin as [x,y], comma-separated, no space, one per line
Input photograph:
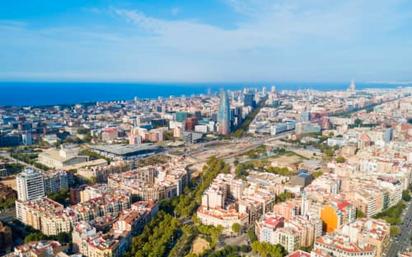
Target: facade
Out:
[43,214]
[337,213]
[109,203]
[224,114]
[30,185]
[297,232]
[229,200]
[371,231]
[340,246]
[153,182]
[364,237]
[67,155]
[90,242]
[38,249]
[55,181]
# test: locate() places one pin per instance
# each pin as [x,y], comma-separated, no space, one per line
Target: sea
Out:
[65,93]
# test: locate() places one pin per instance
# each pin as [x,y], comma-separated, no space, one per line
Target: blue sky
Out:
[206,40]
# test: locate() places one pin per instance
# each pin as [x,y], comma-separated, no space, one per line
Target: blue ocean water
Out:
[52,93]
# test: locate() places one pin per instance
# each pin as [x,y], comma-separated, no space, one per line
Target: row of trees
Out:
[186,204]
[166,234]
[264,249]
[63,238]
[157,238]
[392,215]
[29,158]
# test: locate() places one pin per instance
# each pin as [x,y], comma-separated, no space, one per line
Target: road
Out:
[401,242]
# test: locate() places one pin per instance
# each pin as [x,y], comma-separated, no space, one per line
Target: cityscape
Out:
[252,172]
[221,128]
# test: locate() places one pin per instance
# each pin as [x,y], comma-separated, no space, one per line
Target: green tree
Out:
[282,197]
[251,235]
[392,215]
[406,196]
[317,174]
[395,230]
[283,171]
[264,249]
[60,197]
[236,227]
[358,122]
[360,214]
[35,236]
[340,159]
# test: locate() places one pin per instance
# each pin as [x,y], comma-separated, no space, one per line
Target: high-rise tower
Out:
[30,185]
[352,87]
[223,116]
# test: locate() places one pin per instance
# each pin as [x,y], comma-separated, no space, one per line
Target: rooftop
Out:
[125,149]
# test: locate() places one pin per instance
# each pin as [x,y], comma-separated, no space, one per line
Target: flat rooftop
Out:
[125,149]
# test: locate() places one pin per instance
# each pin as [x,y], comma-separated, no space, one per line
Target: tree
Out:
[168,135]
[282,197]
[395,230]
[264,249]
[340,159]
[236,227]
[236,162]
[392,215]
[60,197]
[251,235]
[35,236]
[317,174]
[406,196]
[360,214]
[358,122]
[283,171]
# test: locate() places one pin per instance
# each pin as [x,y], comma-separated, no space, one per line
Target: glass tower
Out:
[223,116]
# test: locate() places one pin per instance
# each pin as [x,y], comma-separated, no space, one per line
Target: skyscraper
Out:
[30,185]
[248,99]
[223,116]
[352,87]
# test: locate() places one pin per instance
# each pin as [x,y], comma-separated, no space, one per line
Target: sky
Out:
[206,40]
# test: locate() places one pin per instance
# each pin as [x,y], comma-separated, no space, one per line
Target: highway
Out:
[401,242]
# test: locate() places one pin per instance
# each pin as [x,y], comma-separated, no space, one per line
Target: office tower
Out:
[248,100]
[388,135]
[264,92]
[352,87]
[30,185]
[224,114]
[27,138]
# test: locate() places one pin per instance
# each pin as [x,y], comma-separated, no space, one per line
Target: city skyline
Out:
[222,40]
